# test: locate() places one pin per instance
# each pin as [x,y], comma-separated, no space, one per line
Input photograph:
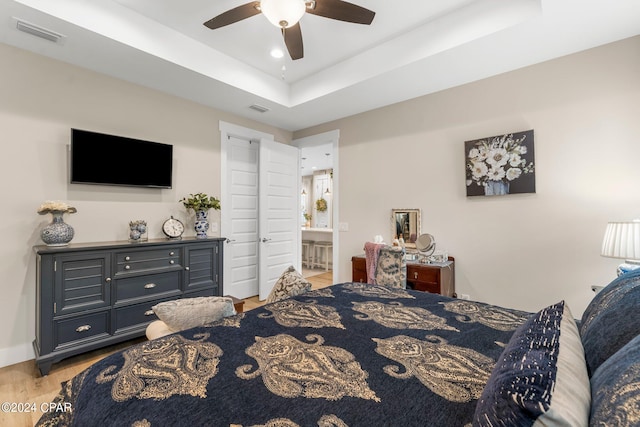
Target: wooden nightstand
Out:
[437,278]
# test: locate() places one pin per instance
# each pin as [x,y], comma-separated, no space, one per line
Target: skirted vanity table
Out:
[426,270]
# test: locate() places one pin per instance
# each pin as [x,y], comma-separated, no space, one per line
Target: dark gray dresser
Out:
[90,295]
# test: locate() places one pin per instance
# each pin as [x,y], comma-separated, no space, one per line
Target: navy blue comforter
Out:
[348,355]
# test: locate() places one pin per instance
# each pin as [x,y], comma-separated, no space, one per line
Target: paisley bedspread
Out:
[349,355]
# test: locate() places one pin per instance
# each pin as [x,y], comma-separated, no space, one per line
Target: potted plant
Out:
[201,204]
[307,218]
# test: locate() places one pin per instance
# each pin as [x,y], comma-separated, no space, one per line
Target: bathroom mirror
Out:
[405,223]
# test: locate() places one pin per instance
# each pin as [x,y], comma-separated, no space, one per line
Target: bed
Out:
[348,355]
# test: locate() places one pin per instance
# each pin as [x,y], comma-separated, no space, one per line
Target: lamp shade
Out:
[283,13]
[622,240]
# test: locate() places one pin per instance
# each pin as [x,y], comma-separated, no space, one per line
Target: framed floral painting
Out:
[500,165]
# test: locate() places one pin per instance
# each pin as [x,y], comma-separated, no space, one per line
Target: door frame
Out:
[332,136]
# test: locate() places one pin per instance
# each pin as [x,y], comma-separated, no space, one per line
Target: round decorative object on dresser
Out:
[202,224]
[138,231]
[58,232]
[173,228]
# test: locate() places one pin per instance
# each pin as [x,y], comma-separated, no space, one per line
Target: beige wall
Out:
[526,250]
[521,251]
[40,100]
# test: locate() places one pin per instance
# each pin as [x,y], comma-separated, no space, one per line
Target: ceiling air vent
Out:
[35,30]
[259,108]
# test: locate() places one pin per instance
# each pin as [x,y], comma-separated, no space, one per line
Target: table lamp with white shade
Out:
[622,240]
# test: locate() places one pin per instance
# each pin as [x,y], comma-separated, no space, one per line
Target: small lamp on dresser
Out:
[622,240]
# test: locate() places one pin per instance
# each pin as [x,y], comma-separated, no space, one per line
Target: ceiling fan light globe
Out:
[283,13]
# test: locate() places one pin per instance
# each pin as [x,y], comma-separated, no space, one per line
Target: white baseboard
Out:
[16,354]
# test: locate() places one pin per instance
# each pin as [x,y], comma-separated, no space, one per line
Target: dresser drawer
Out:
[423,274]
[152,286]
[136,315]
[80,328]
[434,288]
[142,260]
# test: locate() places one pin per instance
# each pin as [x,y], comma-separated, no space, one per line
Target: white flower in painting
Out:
[513,173]
[474,153]
[498,157]
[515,160]
[496,174]
[483,151]
[522,149]
[478,169]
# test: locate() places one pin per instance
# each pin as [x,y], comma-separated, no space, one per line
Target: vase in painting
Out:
[202,224]
[496,188]
[58,232]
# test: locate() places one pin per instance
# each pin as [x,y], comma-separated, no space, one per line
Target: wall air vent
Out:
[259,108]
[35,30]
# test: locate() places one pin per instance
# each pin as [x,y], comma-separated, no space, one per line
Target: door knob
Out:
[265,240]
[229,240]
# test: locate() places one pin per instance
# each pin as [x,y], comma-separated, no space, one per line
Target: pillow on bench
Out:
[187,313]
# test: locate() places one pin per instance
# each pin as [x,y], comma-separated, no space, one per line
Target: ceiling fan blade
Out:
[342,11]
[234,15]
[293,40]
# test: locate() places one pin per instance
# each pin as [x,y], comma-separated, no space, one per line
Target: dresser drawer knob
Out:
[415,274]
[127,267]
[172,262]
[127,258]
[83,328]
[108,280]
[187,268]
[150,286]
[149,313]
[171,253]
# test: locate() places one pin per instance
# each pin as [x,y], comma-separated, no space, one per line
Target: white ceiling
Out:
[412,48]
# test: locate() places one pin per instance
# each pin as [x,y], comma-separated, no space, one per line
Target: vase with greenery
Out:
[201,204]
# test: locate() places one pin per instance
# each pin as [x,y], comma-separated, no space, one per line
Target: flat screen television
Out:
[98,158]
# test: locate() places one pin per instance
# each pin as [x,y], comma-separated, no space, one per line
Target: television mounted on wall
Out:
[102,159]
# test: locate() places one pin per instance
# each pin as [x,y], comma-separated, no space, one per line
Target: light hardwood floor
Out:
[22,384]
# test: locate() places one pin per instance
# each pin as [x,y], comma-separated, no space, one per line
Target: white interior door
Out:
[240,218]
[279,219]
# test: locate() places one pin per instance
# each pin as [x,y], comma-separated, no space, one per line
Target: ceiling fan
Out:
[285,15]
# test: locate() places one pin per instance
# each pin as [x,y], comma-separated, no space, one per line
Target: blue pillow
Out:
[610,320]
[541,376]
[615,388]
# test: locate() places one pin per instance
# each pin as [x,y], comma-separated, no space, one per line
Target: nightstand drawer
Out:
[153,285]
[142,260]
[80,328]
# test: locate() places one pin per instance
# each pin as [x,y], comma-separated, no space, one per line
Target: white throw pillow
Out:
[187,313]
